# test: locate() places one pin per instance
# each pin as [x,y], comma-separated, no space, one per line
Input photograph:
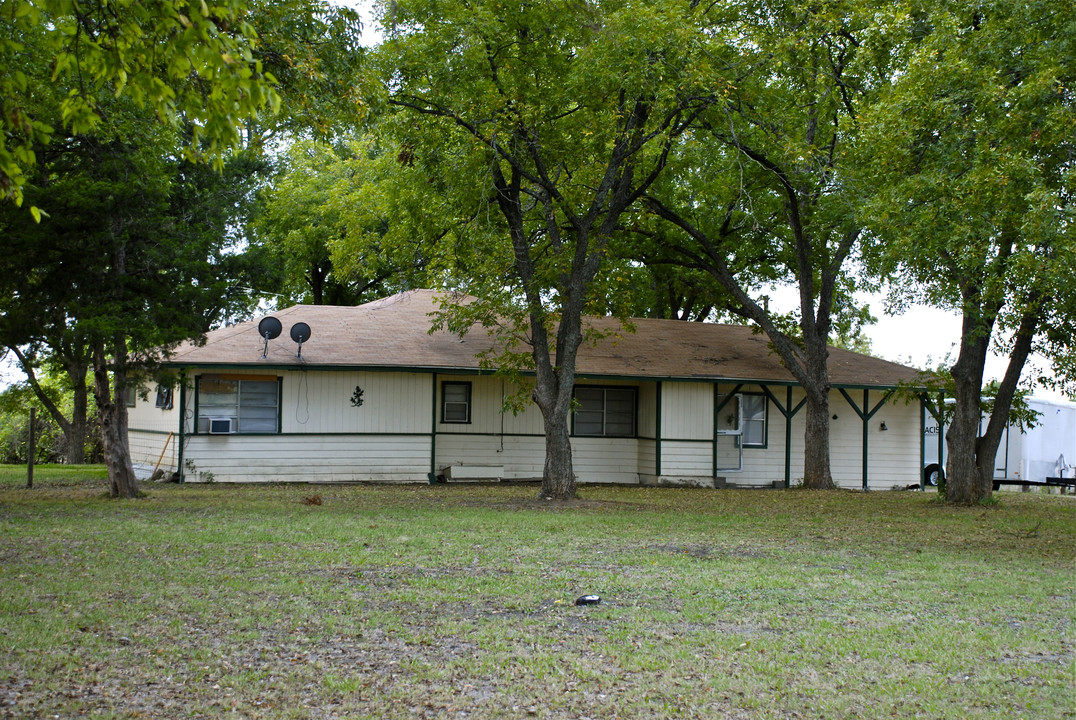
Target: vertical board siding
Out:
[487,393]
[307,458]
[687,412]
[320,402]
[648,410]
[390,440]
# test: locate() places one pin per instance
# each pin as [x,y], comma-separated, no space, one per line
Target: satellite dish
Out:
[300,333]
[269,328]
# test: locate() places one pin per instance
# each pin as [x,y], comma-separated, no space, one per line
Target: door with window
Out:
[729,433]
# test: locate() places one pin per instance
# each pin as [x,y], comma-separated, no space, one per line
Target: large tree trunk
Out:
[970,466]
[558,476]
[968,474]
[112,410]
[817,474]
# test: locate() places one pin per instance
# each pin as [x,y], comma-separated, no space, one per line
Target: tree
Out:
[320,225]
[133,258]
[539,125]
[973,149]
[178,59]
[760,193]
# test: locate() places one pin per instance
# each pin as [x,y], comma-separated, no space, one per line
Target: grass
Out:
[457,601]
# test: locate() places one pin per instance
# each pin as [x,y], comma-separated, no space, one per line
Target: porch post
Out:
[922,442]
[657,437]
[866,434]
[433,431]
[788,412]
[182,422]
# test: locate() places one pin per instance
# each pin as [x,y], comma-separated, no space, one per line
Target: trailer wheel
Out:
[932,475]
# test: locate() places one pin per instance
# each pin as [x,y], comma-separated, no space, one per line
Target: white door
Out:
[729,433]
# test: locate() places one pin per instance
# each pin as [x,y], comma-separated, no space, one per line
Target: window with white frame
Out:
[238,405]
[456,402]
[755,409]
[604,411]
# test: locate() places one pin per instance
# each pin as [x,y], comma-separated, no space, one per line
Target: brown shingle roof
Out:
[394,333]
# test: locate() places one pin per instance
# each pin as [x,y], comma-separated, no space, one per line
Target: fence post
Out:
[30,452]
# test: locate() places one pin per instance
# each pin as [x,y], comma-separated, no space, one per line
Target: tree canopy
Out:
[180,60]
[972,149]
[541,124]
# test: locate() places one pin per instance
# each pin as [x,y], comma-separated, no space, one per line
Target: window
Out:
[755,408]
[130,395]
[456,402]
[164,398]
[604,412]
[238,405]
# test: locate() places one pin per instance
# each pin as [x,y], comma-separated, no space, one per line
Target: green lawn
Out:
[457,602]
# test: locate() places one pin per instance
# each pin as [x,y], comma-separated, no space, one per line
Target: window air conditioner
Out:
[220,425]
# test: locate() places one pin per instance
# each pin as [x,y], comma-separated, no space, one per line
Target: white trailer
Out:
[1028,455]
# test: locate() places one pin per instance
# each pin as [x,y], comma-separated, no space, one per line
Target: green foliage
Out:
[530,131]
[323,224]
[971,147]
[179,61]
[760,194]
[50,443]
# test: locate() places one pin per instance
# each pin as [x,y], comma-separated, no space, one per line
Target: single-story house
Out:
[369,394]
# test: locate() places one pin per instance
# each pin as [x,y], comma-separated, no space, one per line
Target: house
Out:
[371,395]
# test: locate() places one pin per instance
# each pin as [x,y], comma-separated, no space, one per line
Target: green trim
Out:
[713,460]
[470,401]
[922,443]
[182,419]
[279,407]
[432,477]
[866,416]
[149,432]
[789,412]
[657,431]
[635,411]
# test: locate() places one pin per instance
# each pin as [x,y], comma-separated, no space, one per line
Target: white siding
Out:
[648,411]
[680,458]
[894,453]
[387,439]
[687,411]
[487,398]
[392,402]
[522,457]
[146,416]
[306,458]
[606,460]
[647,456]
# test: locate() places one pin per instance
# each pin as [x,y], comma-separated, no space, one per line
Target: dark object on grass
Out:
[588,600]
[312,500]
